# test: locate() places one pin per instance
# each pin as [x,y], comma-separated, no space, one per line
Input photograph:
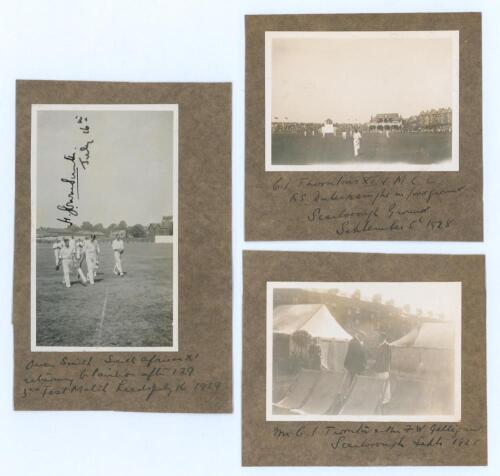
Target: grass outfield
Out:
[130,311]
[418,149]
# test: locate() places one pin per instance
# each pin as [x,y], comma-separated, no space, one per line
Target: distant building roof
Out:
[387,116]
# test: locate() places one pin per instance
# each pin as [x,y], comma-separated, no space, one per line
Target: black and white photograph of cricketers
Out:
[363,351]
[104,272]
[362,101]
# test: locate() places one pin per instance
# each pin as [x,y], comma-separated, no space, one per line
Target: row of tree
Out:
[136,231]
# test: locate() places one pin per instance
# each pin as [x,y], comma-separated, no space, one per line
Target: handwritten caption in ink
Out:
[384,436]
[149,377]
[357,204]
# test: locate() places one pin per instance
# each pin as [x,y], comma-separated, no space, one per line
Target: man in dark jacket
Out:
[354,363]
[355,358]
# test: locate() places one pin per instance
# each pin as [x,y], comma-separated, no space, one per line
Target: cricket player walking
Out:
[97,257]
[72,243]
[91,250]
[78,260]
[118,249]
[356,140]
[57,248]
[66,259]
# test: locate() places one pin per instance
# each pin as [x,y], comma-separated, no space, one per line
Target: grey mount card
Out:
[123,247]
[364,127]
[364,359]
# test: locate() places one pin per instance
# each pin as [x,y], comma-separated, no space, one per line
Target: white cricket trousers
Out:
[356,148]
[78,266]
[118,262]
[91,266]
[66,266]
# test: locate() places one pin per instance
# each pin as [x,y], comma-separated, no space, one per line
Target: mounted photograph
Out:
[362,101]
[363,351]
[104,234]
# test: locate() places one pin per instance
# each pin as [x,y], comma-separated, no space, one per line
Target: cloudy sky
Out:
[129,176]
[348,80]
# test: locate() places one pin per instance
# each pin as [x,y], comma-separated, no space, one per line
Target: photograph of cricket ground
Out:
[362,101]
[368,351]
[104,228]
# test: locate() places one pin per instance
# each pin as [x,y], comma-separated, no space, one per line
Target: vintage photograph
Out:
[104,267]
[362,101]
[363,351]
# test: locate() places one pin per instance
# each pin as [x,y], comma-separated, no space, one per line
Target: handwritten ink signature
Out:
[80,158]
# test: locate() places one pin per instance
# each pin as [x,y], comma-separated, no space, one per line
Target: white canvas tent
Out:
[408,339]
[432,335]
[315,319]
[318,322]
[436,335]
[427,349]
[423,365]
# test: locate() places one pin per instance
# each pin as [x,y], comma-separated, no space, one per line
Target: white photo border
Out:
[35,108]
[456,417]
[451,166]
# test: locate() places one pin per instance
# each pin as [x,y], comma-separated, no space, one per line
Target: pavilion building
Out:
[386,122]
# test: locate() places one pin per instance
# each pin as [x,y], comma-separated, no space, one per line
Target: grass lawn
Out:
[130,311]
[418,149]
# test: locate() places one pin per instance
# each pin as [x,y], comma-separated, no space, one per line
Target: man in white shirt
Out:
[96,267]
[91,250]
[57,245]
[78,260]
[356,140]
[118,249]
[72,243]
[66,259]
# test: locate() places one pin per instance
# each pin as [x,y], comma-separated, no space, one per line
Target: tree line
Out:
[136,231]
